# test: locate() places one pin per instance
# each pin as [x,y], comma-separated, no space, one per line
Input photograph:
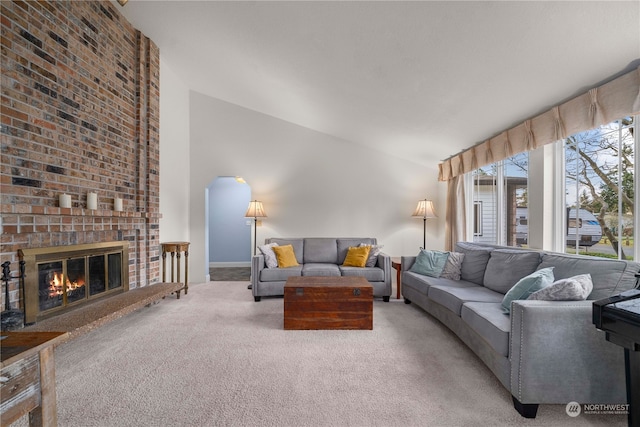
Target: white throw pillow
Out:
[576,288]
[269,256]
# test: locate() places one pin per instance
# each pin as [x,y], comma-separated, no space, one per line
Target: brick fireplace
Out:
[80,115]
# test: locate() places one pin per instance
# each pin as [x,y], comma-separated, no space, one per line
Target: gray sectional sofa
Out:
[543,352]
[319,256]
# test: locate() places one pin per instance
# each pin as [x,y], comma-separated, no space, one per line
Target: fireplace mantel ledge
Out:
[54,210]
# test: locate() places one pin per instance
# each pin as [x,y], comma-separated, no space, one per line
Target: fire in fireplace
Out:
[62,277]
[56,287]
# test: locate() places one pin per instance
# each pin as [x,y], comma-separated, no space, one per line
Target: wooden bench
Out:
[101,311]
[28,377]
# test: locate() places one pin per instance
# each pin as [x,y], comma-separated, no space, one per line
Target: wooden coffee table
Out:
[328,303]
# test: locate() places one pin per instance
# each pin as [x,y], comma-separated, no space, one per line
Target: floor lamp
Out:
[424,210]
[255,211]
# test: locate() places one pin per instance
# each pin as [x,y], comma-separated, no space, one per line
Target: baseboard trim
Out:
[229,264]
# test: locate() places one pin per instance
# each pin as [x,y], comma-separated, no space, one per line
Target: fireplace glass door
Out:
[50,283]
[71,278]
[114,269]
[61,283]
[97,275]
[75,282]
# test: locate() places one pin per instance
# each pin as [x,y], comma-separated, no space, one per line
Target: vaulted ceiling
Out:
[421,80]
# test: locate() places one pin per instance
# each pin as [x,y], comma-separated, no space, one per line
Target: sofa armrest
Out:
[257,264]
[558,356]
[384,262]
[407,262]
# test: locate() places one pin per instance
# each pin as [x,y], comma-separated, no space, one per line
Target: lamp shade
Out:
[425,209]
[255,210]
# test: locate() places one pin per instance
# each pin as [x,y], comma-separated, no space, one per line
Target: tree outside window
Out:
[599,193]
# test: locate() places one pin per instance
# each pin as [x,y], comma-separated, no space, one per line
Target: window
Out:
[599,190]
[584,190]
[477,215]
[500,202]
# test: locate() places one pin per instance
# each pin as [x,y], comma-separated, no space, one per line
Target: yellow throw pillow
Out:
[357,256]
[285,256]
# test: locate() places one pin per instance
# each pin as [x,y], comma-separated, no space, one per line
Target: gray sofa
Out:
[544,352]
[319,256]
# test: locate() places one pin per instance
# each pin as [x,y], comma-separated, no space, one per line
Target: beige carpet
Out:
[217,358]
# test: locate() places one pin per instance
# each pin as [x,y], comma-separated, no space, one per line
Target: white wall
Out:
[174,156]
[311,184]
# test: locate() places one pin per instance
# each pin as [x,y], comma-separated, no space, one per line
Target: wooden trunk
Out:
[328,303]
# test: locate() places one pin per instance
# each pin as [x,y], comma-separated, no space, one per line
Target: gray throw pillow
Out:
[576,288]
[453,266]
[269,256]
[373,254]
[430,263]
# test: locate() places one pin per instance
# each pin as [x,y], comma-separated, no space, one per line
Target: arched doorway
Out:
[229,232]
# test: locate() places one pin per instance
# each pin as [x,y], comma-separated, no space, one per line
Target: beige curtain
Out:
[455,228]
[614,100]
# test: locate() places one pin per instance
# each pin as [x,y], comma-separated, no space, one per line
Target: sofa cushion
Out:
[279,274]
[320,249]
[286,256]
[357,256]
[506,267]
[320,269]
[576,288]
[454,297]
[430,263]
[345,243]
[298,246]
[422,283]
[526,286]
[489,321]
[474,263]
[606,274]
[372,274]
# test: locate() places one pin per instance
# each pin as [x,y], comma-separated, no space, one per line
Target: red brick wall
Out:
[80,113]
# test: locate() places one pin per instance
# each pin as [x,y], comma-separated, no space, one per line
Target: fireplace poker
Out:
[6,277]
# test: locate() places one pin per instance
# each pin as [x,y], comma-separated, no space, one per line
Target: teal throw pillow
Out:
[526,286]
[430,263]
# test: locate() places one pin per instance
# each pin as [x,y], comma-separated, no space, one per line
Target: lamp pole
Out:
[255,211]
[255,234]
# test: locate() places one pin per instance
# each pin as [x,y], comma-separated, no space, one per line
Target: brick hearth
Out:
[80,114]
